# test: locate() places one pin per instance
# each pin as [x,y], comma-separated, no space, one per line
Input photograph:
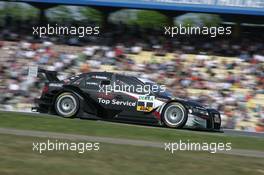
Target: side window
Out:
[130,84]
[79,82]
[92,83]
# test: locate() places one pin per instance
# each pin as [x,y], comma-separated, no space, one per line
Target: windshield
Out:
[159,90]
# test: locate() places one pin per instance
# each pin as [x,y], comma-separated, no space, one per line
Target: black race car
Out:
[116,97]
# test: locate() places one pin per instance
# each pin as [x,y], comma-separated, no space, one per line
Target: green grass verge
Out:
[17,157]
[107,129]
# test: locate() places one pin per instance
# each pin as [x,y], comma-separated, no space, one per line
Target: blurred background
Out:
[225,72]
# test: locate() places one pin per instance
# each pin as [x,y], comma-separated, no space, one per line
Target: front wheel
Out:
[174,115]
[67,105]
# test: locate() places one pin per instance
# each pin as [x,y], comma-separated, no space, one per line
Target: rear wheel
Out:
[67,105]
[175,115]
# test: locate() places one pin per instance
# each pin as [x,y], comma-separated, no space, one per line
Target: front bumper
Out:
[212,121]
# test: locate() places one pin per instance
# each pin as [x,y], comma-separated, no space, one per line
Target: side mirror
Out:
[105,82]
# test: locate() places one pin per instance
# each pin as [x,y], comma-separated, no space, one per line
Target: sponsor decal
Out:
[105,96]
[145,103]
[146,98]
[55,85]
[116,102]
[99,77]
[92,83]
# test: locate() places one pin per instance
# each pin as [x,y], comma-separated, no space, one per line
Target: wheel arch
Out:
[171,101]
[85,101]
[164,107]
[77,92]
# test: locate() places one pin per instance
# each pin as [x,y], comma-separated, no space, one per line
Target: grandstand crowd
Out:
[192,68]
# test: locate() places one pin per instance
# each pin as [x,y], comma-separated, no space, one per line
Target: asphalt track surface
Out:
[228,132]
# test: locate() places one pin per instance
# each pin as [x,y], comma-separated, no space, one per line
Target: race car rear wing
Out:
[51,76]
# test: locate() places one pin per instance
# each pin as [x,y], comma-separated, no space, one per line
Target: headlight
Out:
[200,111]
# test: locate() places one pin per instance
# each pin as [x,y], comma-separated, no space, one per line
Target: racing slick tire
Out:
[174,115]
[67,105]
